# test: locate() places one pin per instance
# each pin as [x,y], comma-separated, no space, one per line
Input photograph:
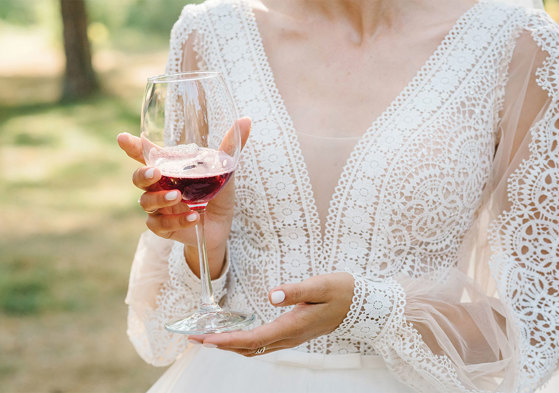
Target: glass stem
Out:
[208,303]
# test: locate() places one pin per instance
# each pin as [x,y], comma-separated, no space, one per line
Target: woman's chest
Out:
[413,178]
[412,182]
[333,87]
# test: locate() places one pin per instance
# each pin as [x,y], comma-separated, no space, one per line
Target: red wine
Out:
[198,173]
[196,190]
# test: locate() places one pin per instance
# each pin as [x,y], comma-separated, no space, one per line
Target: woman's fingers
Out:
[165,224]
[229,140]
[268,349]
[308,291]
[282,328]
[151,201]
[145,177]
[277,346]
[245,125]
[249,352]
[131,146]
[317,289]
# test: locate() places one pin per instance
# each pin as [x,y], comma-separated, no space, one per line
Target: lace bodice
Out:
[402,214]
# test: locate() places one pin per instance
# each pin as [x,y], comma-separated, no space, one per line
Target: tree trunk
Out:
[79,78]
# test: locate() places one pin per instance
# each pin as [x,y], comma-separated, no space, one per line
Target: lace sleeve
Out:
[492,323]
[375,309]
[162,287]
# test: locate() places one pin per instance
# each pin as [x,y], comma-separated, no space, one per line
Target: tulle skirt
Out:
[203,370]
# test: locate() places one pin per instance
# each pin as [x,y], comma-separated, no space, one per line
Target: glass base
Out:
[210,322]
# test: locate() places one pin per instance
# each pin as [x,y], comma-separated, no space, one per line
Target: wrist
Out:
[346,285]
[376,306]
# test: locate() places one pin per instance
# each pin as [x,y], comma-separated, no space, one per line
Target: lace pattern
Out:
[374,306]
[413,363]
[412,183]
[526,238]
[178,296]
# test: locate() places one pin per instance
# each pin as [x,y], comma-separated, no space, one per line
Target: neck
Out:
[365,17]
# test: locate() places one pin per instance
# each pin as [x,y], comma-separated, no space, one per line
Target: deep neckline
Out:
[302,178]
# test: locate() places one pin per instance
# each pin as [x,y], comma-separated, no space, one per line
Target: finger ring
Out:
[147,211]
[260,350]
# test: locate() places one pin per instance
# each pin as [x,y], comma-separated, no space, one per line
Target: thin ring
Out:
[147,211]
[260,350]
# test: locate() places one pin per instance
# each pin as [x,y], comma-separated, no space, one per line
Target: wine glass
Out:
[190,133]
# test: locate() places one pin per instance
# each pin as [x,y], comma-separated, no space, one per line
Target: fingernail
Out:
[210,345]
[192,217]
[149,173]
[194,342]
[171,195]
[277,297]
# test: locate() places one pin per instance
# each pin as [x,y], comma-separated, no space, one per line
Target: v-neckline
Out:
[304,184]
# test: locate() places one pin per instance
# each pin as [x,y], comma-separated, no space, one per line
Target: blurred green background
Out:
[69,218]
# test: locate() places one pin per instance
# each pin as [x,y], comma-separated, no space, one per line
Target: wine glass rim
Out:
[184,76]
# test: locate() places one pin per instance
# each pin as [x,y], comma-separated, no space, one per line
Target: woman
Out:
[405,267]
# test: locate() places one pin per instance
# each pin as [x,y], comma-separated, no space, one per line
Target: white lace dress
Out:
[446,213]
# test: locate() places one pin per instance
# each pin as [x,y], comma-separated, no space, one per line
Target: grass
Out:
[69,223]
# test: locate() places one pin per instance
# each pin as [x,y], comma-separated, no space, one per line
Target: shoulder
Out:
[527,29]
[192,14]
[521,17]
[200,29]
[516,14]
[535,54]
[535,31]
[211,6]
[543,29]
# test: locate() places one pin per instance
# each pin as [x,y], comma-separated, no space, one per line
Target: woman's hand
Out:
[321,304]
[169,218]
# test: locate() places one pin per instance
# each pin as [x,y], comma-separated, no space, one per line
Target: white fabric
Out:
[468,152]
[202,370]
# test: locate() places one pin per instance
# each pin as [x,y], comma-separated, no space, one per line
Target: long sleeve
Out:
[492,322]
[162,287]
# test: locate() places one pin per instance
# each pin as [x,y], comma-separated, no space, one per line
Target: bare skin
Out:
[358,55]
[350,59]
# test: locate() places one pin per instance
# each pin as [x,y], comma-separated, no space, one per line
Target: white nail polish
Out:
[210,345]
[149,173]
[192,217]
[194,342]
[277,297]
[171,195]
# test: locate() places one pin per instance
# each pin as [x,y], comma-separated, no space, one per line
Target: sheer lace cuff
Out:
[376,307]
[177,292]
